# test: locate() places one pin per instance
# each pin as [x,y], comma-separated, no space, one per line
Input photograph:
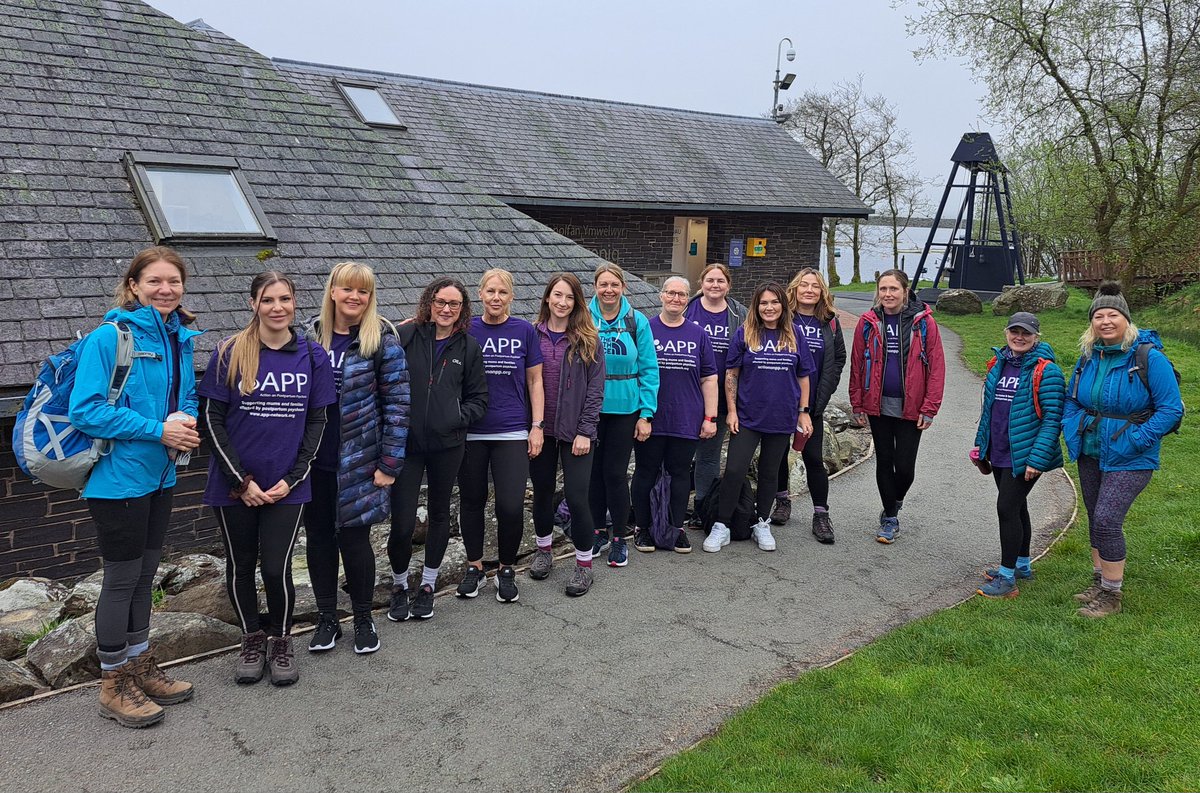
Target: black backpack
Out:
[742,525]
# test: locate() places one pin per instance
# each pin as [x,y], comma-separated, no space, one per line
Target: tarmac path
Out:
[553,693]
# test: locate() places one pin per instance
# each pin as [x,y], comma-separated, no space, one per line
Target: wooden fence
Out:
[1088,268]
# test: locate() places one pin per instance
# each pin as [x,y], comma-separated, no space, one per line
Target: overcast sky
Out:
[712,56]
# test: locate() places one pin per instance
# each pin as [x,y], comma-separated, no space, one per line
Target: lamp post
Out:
[784,84]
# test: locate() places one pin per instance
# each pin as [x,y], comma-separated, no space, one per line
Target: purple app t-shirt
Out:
[999,451]
[327,453]
[685,355]
[716,327]
[768,398]
[266,426]
[809,329]
[509,348]
[893,378]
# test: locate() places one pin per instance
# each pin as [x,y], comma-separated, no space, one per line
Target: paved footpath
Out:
[552,693]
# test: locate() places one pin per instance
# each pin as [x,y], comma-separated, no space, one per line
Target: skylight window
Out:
[199,199]
[369,105]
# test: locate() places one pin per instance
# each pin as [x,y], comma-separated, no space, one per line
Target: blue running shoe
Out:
[999,588]
[888,529]
[618,554]
[600,543]
[993,573]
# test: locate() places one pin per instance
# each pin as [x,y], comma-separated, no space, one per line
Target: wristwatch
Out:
[806,409]
[539,425]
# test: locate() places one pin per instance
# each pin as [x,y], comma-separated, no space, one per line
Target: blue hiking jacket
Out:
[1033,440]
[1136,447]
[631,370]
[137,462]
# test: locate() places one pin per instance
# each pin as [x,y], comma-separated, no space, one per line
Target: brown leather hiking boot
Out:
[1106,603]
[124,702]
[158,686]
[1089,594]
[281,660]
[782,512]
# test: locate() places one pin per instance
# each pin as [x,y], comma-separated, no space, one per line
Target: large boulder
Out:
[1034,298]
[16,683]
[18,625]
[181,635]
[207,597]
[66,655]
[84,595]
[194,567]
[837,417]
[959,301]
[23,593]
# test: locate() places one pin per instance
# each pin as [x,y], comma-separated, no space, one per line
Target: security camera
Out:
[791,55]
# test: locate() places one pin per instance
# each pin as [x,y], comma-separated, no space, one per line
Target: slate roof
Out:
[526,147]
[83,81]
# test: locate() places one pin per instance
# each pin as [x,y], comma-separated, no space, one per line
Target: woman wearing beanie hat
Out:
[1113,422]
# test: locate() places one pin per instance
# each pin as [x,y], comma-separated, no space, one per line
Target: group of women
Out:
[336,425]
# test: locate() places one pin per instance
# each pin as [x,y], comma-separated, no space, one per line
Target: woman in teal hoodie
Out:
[1017,439]
[130,489]
[630,401]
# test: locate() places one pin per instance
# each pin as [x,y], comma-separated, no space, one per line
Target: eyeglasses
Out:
[454,304]
[676,295]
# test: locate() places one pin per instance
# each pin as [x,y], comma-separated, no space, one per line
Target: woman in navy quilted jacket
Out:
[1017,440]
[361,452]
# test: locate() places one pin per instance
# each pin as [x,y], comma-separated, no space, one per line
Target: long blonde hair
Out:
[581,331]
[240,351]
[370,328]
[824,309]
[753,329]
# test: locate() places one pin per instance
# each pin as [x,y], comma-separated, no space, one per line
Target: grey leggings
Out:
[1107,496]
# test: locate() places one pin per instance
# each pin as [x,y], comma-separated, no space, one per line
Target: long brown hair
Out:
[425,304]
[581,331]
[242,348]
[125,298]
[824,310]
[370,329]
[754,329]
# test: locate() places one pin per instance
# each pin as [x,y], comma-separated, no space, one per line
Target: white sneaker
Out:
[717,539]
[762,535]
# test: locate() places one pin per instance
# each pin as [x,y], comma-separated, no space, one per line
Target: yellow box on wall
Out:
[756,246]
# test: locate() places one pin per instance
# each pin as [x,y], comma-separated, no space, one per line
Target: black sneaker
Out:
[422,604]
[366,640]
[643,541]
[398,609]
[472,582]
[682,543]
[506,585]
[328,631]
[822,527]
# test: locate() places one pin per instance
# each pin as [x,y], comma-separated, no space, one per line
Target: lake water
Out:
[877,252]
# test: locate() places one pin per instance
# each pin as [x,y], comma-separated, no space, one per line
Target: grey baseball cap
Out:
[1025,321]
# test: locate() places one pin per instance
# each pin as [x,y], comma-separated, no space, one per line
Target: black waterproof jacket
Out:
[449,393]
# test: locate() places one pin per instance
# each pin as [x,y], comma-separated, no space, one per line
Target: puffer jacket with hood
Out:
[1033,439]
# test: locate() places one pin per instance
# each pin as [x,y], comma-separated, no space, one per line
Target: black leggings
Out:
[651,455]
[508,462]
[130,532]
[814,466]
[737,465]
[896,443]
[266,534]
[609,490]
[577,473]
[325,539]
[442,469]
[1013,510]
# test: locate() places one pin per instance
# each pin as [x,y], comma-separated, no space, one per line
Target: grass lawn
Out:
[1010,695]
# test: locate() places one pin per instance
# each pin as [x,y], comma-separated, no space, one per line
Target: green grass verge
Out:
[1012,695]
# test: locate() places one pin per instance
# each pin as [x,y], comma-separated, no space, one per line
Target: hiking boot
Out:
[542,562]
[1022,572]
[999,588]
[328,631]
[472,582]
[366,638]
[822,528]
[398,610]
[783,510]
[581,581]
[717,538]
[252,659]
[155,683]
[682,543]
[422,604]
[888,530]
[506,585]
[1089,594]
[643,541]
[762,535]
[1107,602]
[618,554]
[281,660]
[124,702]
[600,544]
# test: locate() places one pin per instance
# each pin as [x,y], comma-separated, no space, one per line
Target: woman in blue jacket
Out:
[1018,440]
[630,400]
[129,493]
[1117,412]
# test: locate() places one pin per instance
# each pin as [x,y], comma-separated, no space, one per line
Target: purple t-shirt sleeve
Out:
[708,358]
[213,385]
[533,347]
[737,350]
[324,390]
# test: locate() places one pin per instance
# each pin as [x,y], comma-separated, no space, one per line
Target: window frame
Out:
[342,85]
[136,163]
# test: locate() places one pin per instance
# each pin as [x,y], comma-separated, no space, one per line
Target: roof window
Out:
[196,199]
[369,105]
